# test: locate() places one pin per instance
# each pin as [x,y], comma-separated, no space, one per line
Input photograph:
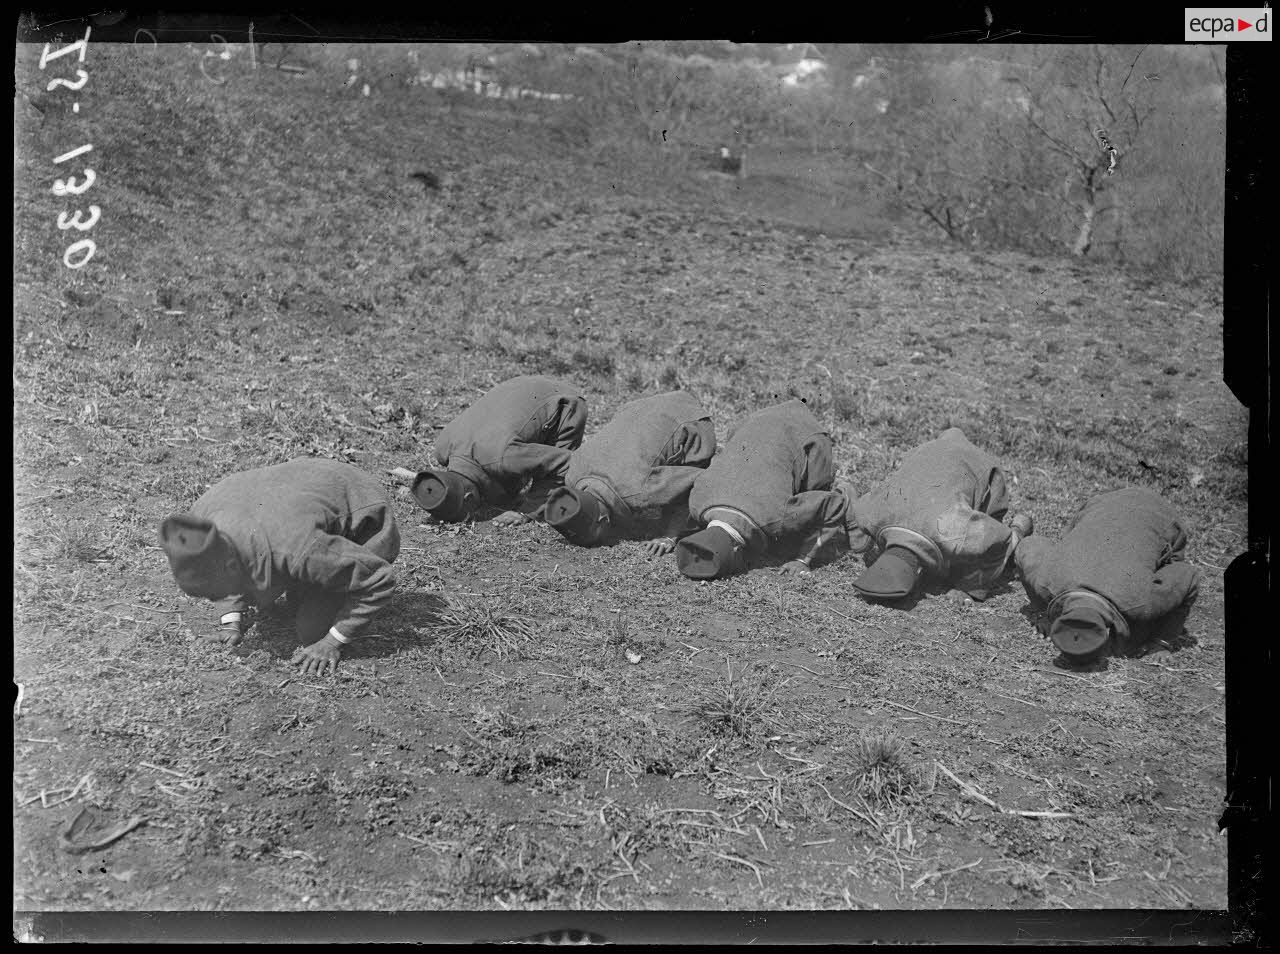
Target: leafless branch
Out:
[889,179]
[1056,144]
[1018,185]
[1138,117]
[933,217]
[1135,63]
[1098,85]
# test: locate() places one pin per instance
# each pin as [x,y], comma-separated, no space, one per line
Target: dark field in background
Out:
[270,282]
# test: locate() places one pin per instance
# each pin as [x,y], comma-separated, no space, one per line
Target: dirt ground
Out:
[534,725]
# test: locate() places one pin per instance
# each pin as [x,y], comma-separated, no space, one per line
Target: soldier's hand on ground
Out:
[657,548]
[1022,524]
[511,518]
[794,568]
[318,659]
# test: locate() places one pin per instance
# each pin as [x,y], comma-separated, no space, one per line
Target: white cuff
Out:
[229,618]
[734,534]
[333,631]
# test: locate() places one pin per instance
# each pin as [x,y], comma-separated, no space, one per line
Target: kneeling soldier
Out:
[320,531]
[521,430]
[1116,574]
[632,479]
[769,489]
[938,515]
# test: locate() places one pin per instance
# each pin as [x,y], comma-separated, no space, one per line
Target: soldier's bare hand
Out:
[511,518]
[657,548]
[318,659]
[794,568]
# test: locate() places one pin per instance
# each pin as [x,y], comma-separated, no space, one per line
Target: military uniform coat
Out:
[524,429]
[944,503]
[772,483]
[307,527]
[1125,546]
[642,464]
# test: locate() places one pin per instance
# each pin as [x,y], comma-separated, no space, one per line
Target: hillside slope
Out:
[270,282]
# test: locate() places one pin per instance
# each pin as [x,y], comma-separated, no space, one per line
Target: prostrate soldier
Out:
[769,490]
[937,516]
[1116,579]
[319,531]
[632,478]
[523,430]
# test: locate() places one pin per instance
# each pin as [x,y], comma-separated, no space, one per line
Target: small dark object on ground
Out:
[429,180]
[725,162]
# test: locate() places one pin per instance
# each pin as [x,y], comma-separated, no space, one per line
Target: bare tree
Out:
[928,149]
[1088,113]
[662,87]
[814,112]
[1113,151]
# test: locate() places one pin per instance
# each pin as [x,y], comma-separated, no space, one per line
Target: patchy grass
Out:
[742,704]
[479,629]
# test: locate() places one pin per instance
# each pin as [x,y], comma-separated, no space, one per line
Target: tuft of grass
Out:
[79,544]
[479,628]
[506,750]
[881,771]
[498,723]
[592,360]
[588,679]
[661,753]
[523,870]
[669,376]
[742,704]
[844,404]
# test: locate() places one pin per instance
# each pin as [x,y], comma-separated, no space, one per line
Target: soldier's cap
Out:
[448,496]
[892,577]
[1080,632]
[578,514]
[198,554]
[709,554]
